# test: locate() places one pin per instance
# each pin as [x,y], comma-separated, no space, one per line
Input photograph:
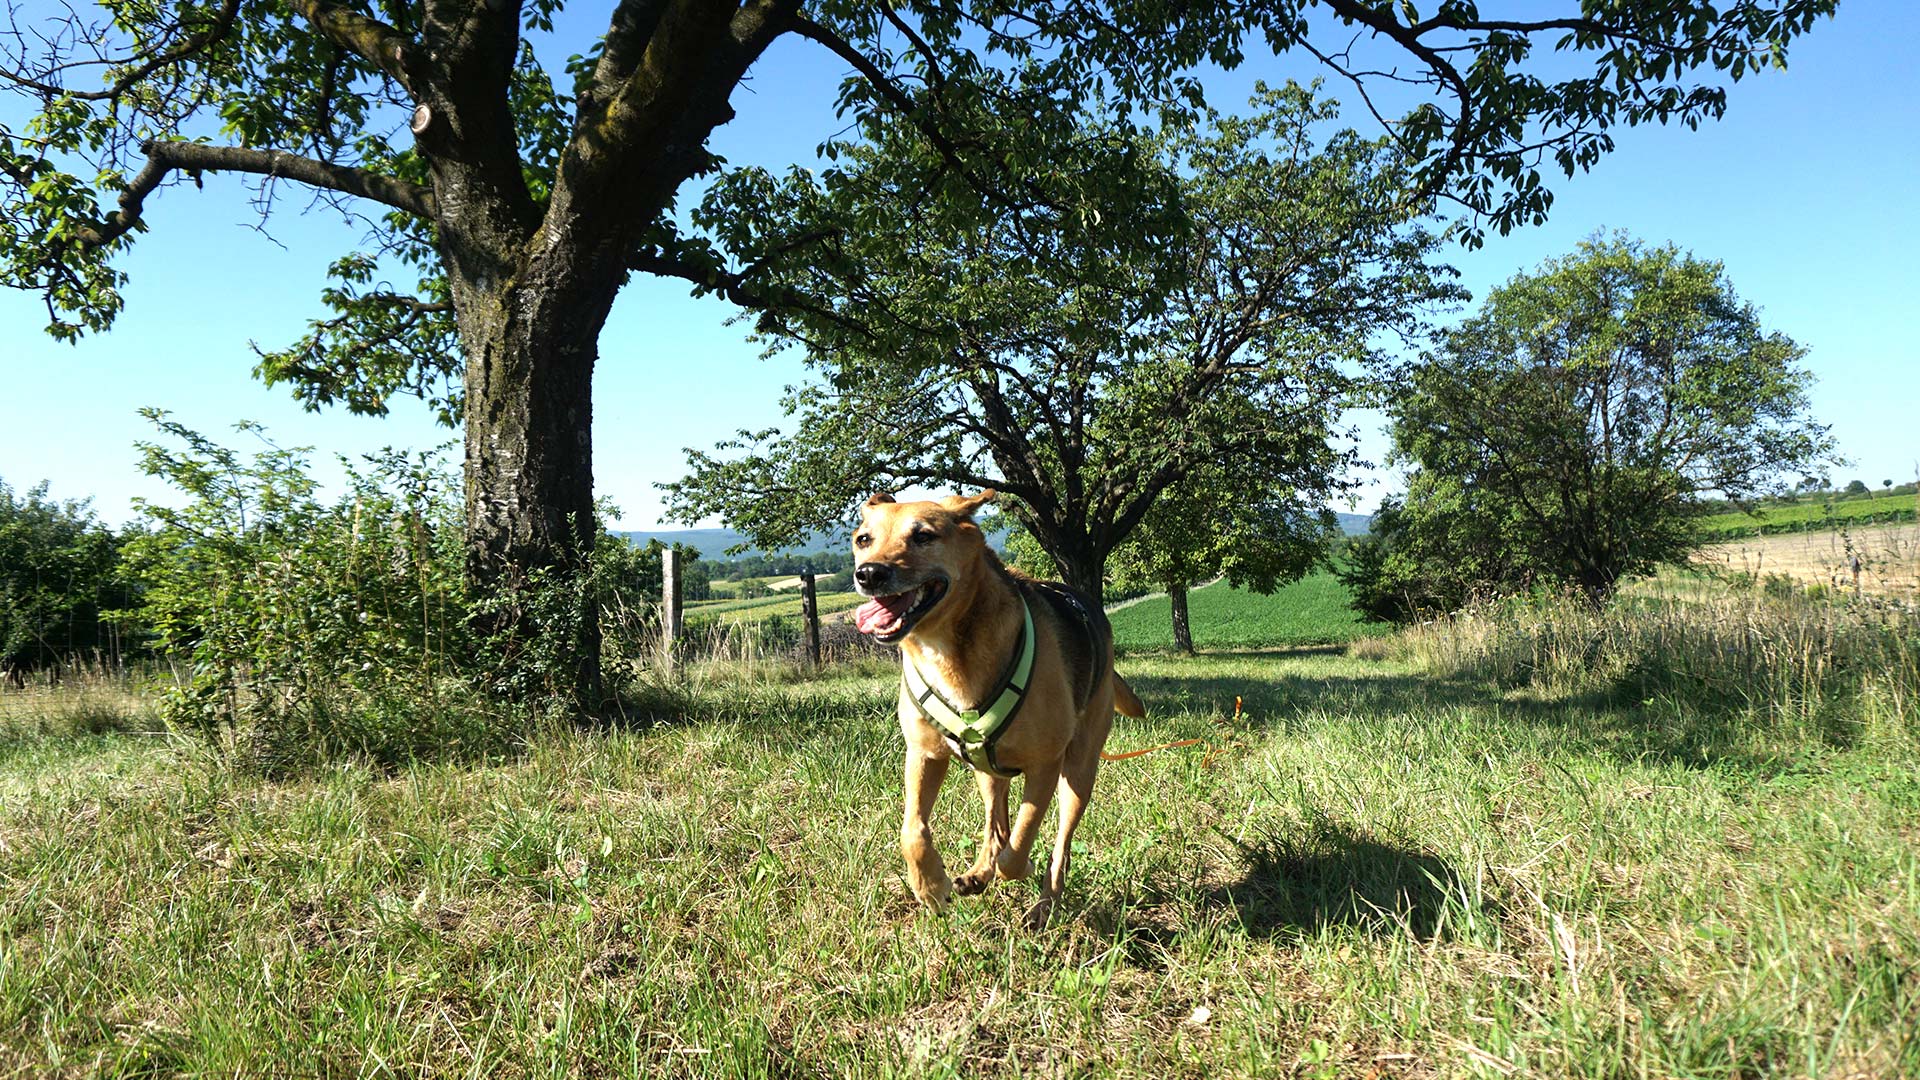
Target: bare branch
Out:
[194,43]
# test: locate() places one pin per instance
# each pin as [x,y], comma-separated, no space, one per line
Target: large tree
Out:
[1567,432]
[525,205]
[1085,363]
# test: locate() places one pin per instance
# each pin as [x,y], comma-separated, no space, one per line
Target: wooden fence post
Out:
[810,611]
[670,610]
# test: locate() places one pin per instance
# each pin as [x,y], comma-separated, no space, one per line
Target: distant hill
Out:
[713,543]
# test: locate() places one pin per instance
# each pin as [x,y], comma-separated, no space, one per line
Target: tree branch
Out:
[904,104]
[366,37]
[218,29]
[166,155]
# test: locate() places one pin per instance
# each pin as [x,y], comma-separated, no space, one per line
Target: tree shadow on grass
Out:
[1611,721]
[1301,882]
[1334,876]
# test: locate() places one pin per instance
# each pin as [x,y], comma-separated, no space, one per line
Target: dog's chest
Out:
[936,666]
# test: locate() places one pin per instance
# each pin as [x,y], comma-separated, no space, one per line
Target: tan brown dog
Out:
[1011,675]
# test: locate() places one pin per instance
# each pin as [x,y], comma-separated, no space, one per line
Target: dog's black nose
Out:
[870,575]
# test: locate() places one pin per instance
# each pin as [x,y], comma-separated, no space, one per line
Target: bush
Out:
[311,629]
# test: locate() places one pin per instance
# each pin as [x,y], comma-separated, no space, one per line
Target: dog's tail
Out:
[1125,701]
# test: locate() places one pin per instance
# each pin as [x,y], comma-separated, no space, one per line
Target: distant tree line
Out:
[64,591]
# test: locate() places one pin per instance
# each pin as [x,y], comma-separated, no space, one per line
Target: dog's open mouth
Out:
[889,618]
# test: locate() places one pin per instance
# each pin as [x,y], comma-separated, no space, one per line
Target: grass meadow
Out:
[1311,611]
[1473,851]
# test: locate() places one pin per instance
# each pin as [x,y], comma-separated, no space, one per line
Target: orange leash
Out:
[1104,756]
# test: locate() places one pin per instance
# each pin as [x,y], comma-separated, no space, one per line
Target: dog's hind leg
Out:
[925,872]
[993,798]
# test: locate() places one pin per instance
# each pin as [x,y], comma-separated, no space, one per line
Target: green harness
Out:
[973,732]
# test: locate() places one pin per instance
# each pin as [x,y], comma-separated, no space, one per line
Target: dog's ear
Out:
[879,497]
[965,506]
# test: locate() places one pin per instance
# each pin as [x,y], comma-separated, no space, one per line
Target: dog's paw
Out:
[1035,920]
[934,895]
[973,882]
[1012,865]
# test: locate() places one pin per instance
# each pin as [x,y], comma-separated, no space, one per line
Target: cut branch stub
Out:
[422,120]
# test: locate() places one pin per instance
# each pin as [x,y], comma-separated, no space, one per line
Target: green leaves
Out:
[1565,432]
[377,344]
[1187,303]
[282,601]
[61,583]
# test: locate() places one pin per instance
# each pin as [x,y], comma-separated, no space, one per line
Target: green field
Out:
[1807,515]
[1412,860]
[1311,611]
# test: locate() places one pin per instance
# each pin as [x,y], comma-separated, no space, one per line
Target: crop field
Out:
[759,608]
[1379,868]
[1311,611]
[1809,515]
[1889,557]
[726,589]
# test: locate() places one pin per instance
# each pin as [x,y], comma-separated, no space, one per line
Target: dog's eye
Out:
[922,536]
[863,540]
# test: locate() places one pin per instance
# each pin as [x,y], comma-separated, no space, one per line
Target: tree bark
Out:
[1182,631]
[1082,565]
[529,478]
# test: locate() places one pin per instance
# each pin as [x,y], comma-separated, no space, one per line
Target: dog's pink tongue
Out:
[882,614]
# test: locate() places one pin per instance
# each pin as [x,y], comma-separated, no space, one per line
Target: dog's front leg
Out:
[1015,861]
[993,799]
[925,872]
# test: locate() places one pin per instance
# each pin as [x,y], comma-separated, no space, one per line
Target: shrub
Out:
[309,629]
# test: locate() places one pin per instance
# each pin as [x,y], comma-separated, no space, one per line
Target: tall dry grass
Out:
[80,698]
[1765,652]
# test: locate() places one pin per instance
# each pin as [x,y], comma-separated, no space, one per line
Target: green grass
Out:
[1808,515]
[1311,611]
[1371,871]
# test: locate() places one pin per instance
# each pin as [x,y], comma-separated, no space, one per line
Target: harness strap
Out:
[974,732]
[1054,589]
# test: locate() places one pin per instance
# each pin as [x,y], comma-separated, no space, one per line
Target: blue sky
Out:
[1806,190]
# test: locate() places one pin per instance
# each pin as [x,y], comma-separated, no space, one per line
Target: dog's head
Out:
[907,557]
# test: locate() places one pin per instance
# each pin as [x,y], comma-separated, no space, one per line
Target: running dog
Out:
[1012,676]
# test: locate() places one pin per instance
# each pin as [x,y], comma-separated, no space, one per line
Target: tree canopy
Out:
[61,581]
[1567,432]
[1082,363]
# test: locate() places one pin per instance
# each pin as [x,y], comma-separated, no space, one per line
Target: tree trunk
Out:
[1083,570]
[529,482]
[1182,632]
